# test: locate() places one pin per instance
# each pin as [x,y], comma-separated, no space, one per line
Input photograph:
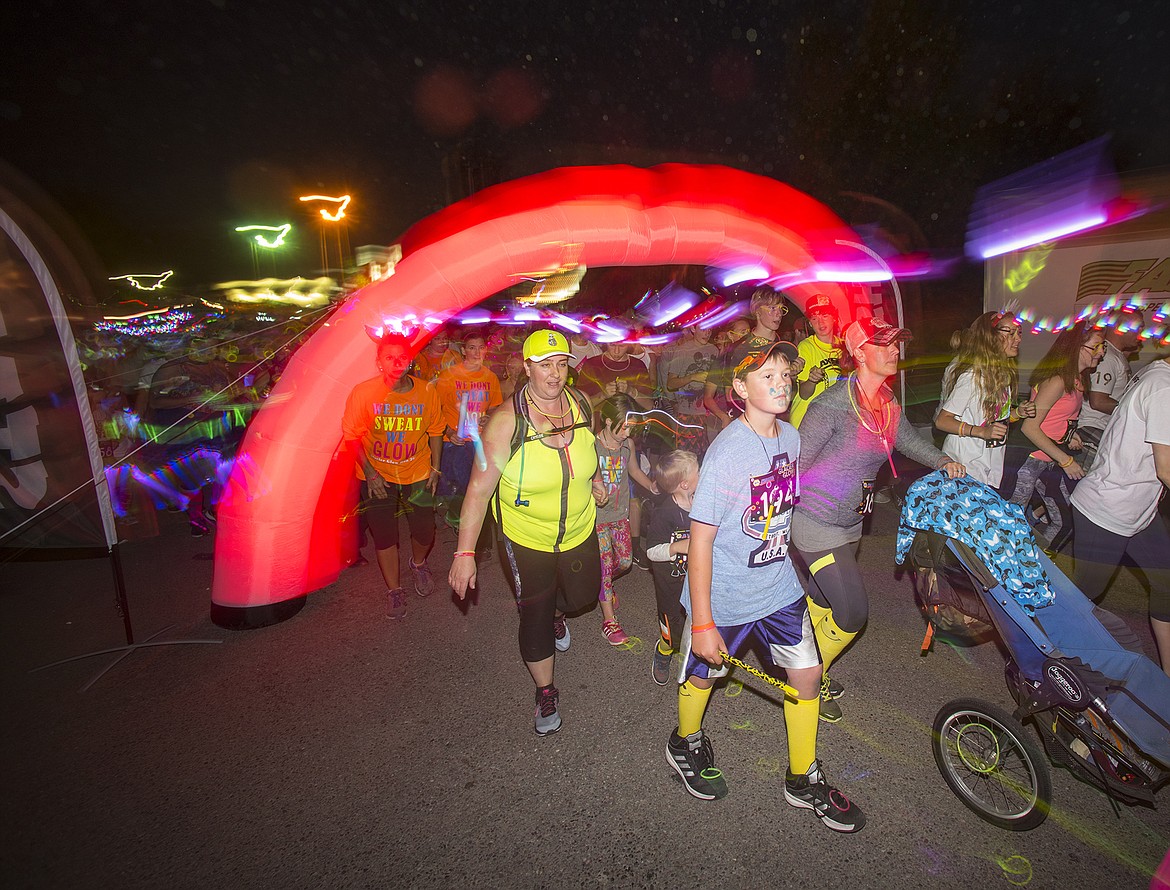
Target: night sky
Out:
[159,126]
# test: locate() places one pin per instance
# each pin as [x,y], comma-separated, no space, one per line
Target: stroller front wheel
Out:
[992,764]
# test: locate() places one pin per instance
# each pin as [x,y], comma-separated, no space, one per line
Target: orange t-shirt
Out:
[394,428]
[481,388]
[428,369]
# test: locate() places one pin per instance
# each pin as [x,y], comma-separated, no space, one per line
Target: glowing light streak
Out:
[653,416]
[565,322]
[475,316]
[209,304]
[645,298]
[720,316]
[852,275]
[409,325]
[745,273]
[1031,265]
[135,315]
[472,427]
[1017,870]
[302,292]
[1032,239]
[555,285]
[160,279]
[673,301]
[153,325]
[341,200]
[278,241]
[656,339]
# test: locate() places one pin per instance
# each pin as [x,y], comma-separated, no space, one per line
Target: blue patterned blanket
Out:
[976,515]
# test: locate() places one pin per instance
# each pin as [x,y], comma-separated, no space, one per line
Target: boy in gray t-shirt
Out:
[741,586]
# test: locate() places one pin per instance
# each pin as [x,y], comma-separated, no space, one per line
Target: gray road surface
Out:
[339,749]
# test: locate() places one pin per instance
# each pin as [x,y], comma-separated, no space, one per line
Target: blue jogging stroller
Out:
[1101,708]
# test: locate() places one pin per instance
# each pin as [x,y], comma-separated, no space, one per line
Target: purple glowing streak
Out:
[720,316]
[745,273]
[1073,192]
[1030,238]
[673,301]
[852,274]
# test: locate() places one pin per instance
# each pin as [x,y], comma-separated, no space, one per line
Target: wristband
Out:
[1068,463]
[962,434]
[703,628]
[459,553]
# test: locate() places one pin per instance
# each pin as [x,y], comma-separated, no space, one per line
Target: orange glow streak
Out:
[133,279]
[325,214]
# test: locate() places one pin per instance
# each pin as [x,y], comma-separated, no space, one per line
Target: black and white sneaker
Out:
[561,636]
[640,561]
[548,718]
[812,791]
[693,759]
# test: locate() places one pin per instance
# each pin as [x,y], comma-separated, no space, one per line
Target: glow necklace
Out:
[881,431]
[552,418]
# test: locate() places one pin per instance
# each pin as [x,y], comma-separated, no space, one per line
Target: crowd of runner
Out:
[737,465]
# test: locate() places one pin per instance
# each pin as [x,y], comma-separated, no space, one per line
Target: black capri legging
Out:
[835,583]
[546,583]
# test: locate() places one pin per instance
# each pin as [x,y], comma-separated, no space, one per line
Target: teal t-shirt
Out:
[747,488]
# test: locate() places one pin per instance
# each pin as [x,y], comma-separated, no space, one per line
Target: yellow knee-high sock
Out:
[831,640]
[692,702]
[800,720]
[816,612]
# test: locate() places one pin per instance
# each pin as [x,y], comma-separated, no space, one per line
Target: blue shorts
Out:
[787,634]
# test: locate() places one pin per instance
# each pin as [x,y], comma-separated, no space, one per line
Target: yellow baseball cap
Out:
[545,344]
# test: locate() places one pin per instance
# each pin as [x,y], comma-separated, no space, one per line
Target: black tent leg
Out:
[120,593]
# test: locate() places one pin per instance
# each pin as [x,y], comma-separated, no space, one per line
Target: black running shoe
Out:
[812,791]
[641,561]
[660,667]
[693,759]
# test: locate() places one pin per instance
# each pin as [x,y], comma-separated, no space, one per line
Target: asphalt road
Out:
[339,749]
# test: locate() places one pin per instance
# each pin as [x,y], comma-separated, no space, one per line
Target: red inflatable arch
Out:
[282,522]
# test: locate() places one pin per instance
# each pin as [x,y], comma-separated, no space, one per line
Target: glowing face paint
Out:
[276,242]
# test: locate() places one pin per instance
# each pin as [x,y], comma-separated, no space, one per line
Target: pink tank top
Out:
[1061,419]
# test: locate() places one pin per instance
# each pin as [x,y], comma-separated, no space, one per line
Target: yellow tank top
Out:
[555,490]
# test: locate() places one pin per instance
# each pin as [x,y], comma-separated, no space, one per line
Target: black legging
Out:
[837,584]
[545,583]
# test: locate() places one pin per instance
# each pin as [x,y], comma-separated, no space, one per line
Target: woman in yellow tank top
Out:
[546,495]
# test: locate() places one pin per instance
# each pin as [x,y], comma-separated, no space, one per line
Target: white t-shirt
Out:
[582,352]
[1121,491]
[1111,378]
[983,464]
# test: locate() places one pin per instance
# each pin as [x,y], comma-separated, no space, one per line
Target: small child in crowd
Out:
[667,543]
[618,460]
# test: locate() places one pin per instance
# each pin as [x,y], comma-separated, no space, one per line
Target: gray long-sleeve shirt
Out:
[837,455]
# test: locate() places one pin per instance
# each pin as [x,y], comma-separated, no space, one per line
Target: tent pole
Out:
[120,593]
